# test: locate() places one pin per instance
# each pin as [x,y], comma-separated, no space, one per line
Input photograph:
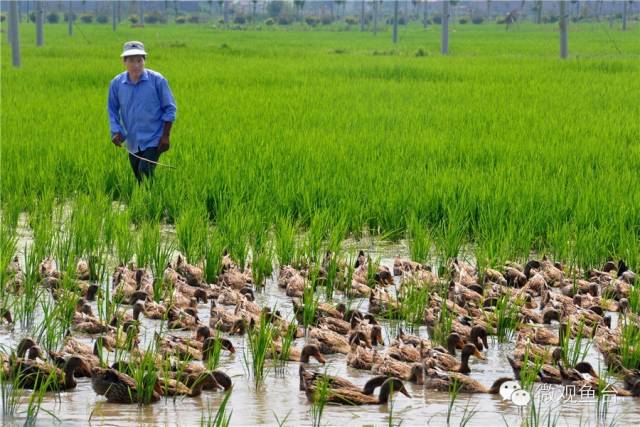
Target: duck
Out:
[6,315]
[328,341]
[444,382]
[447,362]
[194,275]
[346,396]
[119,387]
[190,372]
[405,352]
[360,357]
[540,336]
[388,366]
[150,309]
[301,355]
[34,373]
[310,378]
[173,387]
[182,318]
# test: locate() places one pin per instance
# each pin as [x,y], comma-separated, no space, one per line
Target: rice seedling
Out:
[259,343]
[124,238]
[630,345]
[319,400]
[213,253]
[222,418]
[285,240]
[286,342]
[213,360]
[262,259]
[310,300]
[10,391]
[443,327]
[191,229]
[236,227]
[506,319]
[314,238]
[282,422]
[574,350]
[454,390]
[535,416]
[145,374]
[419,240]
[530,370]
[413,298]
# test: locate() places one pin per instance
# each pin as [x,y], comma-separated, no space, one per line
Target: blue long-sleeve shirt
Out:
[138,111]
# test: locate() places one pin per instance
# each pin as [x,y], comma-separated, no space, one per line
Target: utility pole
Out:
[142,13]
[39,23]
[444,45]
[395,21]
[564,23]
[114,15]
[425,19]
[70,19]
[15,34]
[625,5]
[362,15]
[375,17]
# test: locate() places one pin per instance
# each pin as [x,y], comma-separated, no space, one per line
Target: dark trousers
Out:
[141,168]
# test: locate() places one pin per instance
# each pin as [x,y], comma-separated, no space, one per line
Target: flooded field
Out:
[279,400]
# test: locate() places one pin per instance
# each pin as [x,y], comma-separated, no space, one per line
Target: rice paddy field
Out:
[491,168]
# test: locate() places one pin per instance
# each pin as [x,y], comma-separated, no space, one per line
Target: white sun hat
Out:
[133,48]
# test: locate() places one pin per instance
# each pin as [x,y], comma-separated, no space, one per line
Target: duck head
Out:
[311,350]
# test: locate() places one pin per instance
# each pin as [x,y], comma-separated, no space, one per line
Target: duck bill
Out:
[320,358]
[405,392]
[479,355]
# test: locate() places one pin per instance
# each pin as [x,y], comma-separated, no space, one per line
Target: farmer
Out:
[141,111]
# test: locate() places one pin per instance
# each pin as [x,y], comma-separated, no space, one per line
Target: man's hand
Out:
[164,144]
[117,139]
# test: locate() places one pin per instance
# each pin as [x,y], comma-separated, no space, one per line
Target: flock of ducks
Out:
[541,291]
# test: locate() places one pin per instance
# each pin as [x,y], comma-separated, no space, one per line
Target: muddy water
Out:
[280,398]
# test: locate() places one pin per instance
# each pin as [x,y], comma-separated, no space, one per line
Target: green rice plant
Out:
[124,238]
[262,260]
[286,342]
[259,344]
[334,249]
[191,230]
[284,420]
[222,418]
[319,400]
[213,361]
[10,391]
[630,345]
[414,299]
[236,227]
[8,247]
[575,350]
[451,234]
[145,374]
[285,240]
[454,390]
[34,403]
[535,416]
[468,414]
[310,300]
[506,318]
[315,236]
[634,299]
[213,255]
[530,368]
[444,325]
[419,239]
